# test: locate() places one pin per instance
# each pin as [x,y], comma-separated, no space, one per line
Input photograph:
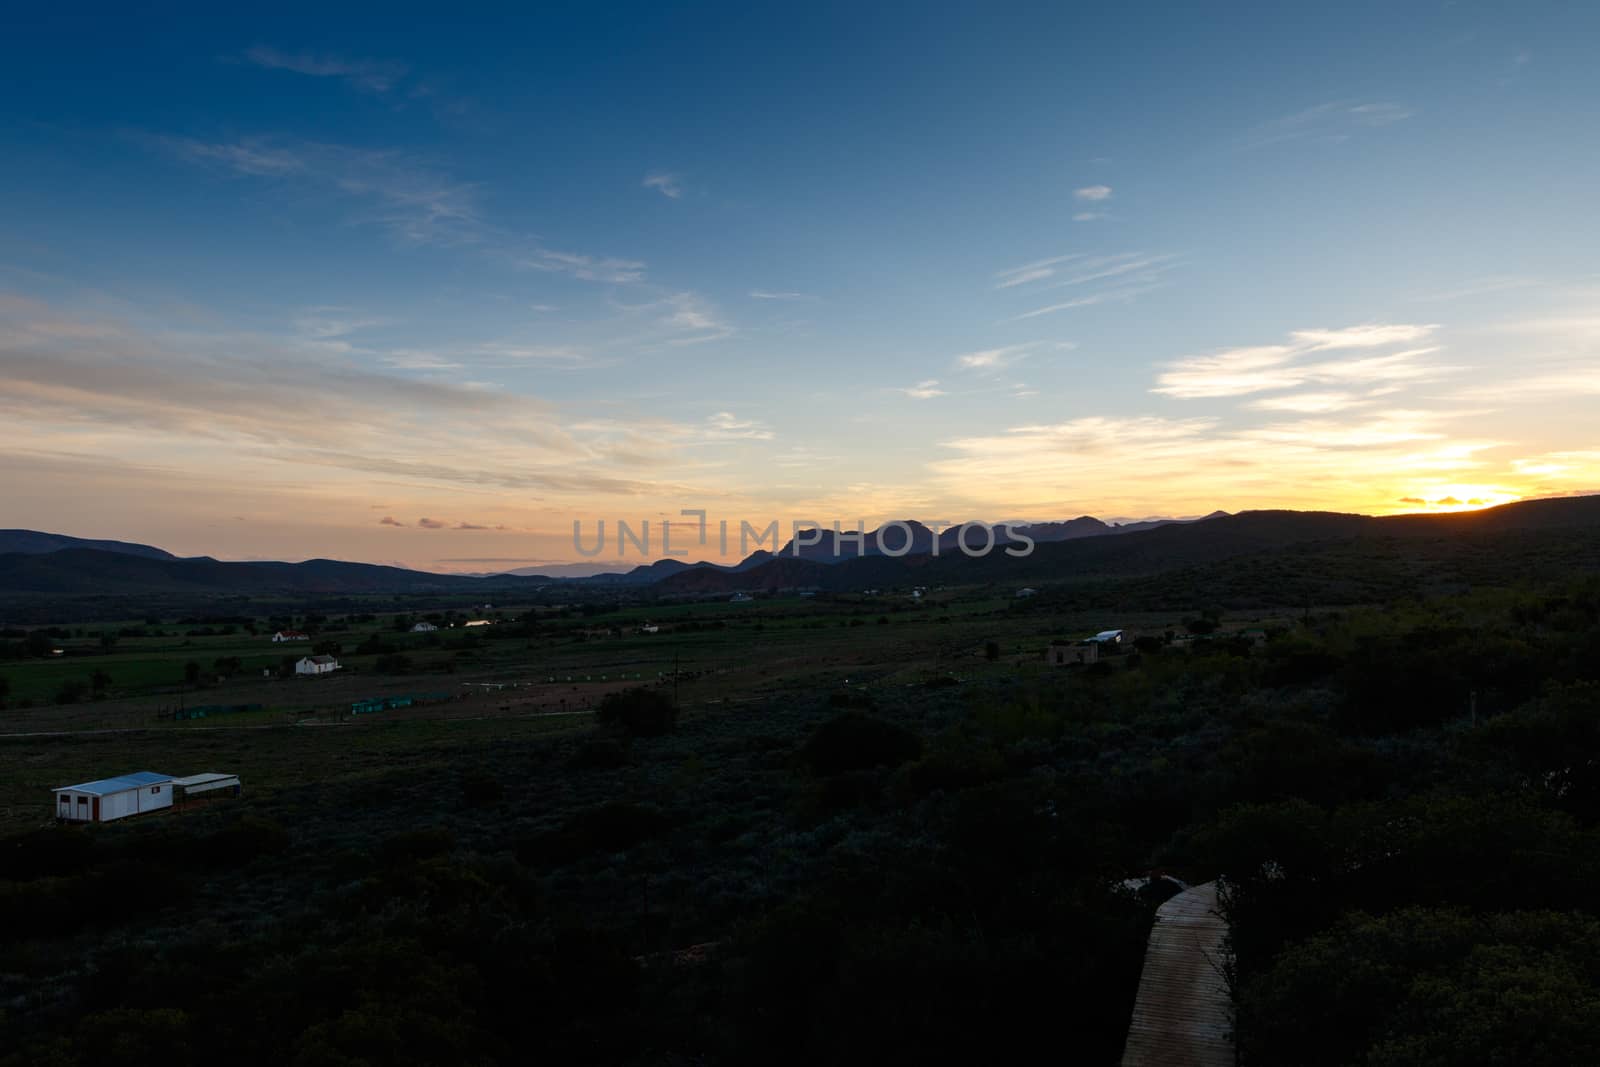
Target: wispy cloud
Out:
[924,390]
[1088,216]
[1310,403]
[390,520]
[1265,368]
[241,403]
[1104,279]
[668,185]
[1038,270]
[725,426]
[415,203]
[330,323]
[410,199]
[584,268]
[1334,121]
[432,524]
[990,360]
[1093,193]
[367,75]
[690,320]
[1569,382]
[1121,463]
[766,294]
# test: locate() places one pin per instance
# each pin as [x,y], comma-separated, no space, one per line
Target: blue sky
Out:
[266,283]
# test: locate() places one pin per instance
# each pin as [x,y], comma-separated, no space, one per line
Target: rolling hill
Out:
[35,542]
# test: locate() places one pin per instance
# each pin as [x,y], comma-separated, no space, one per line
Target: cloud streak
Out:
[366,75]
[668,185]
[1267,368]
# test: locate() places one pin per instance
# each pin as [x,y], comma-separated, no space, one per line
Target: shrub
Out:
[480,789]
[857,742]
[413,846]
[638,712]
[599,754]
[245,839]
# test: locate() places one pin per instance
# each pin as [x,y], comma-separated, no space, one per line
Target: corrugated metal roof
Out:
[201,779]
[107,786]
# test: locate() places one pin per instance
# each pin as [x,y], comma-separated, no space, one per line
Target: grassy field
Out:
[536,675]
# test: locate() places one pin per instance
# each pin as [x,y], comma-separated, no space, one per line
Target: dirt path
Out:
[1182,1014]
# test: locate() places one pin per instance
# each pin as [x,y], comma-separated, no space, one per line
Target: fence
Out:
[206,711]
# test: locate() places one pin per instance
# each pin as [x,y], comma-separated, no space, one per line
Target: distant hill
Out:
[33,542]
[84,571]
[827,546]
[1166,547]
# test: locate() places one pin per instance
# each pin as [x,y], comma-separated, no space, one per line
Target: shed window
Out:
[83,801]
[155,789]
[65,799]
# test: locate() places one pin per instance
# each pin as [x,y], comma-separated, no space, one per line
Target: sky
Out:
[427,291]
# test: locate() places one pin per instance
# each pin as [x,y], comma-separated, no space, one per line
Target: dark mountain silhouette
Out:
[1150,551]
[34,542]
[830,546]
[1074,553]
[84,571]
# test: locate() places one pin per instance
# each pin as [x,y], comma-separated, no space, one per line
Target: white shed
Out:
[316,665]
[114,798]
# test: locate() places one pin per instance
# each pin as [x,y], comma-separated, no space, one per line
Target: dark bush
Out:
[413,846]
[614,827]
[246,838]
[857,742]
[638,712]
[480,789]
[599,754]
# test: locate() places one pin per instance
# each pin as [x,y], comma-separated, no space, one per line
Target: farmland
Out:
[867,822]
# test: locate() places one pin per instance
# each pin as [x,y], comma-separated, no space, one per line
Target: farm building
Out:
[1108,637]
[478,622]
[424,628]
[207,786]
[114,798]
[1023,594]
[1062,655]
[289,635]
[316,665]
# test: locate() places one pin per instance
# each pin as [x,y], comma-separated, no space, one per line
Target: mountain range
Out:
[34,564]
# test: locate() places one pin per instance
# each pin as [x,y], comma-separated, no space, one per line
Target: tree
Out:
[191,672]
[991,651]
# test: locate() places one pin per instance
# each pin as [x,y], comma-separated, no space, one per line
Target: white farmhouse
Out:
[424,628]
[316,665]
[289,635]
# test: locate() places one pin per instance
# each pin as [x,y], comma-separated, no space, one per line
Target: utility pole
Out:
[675,672]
